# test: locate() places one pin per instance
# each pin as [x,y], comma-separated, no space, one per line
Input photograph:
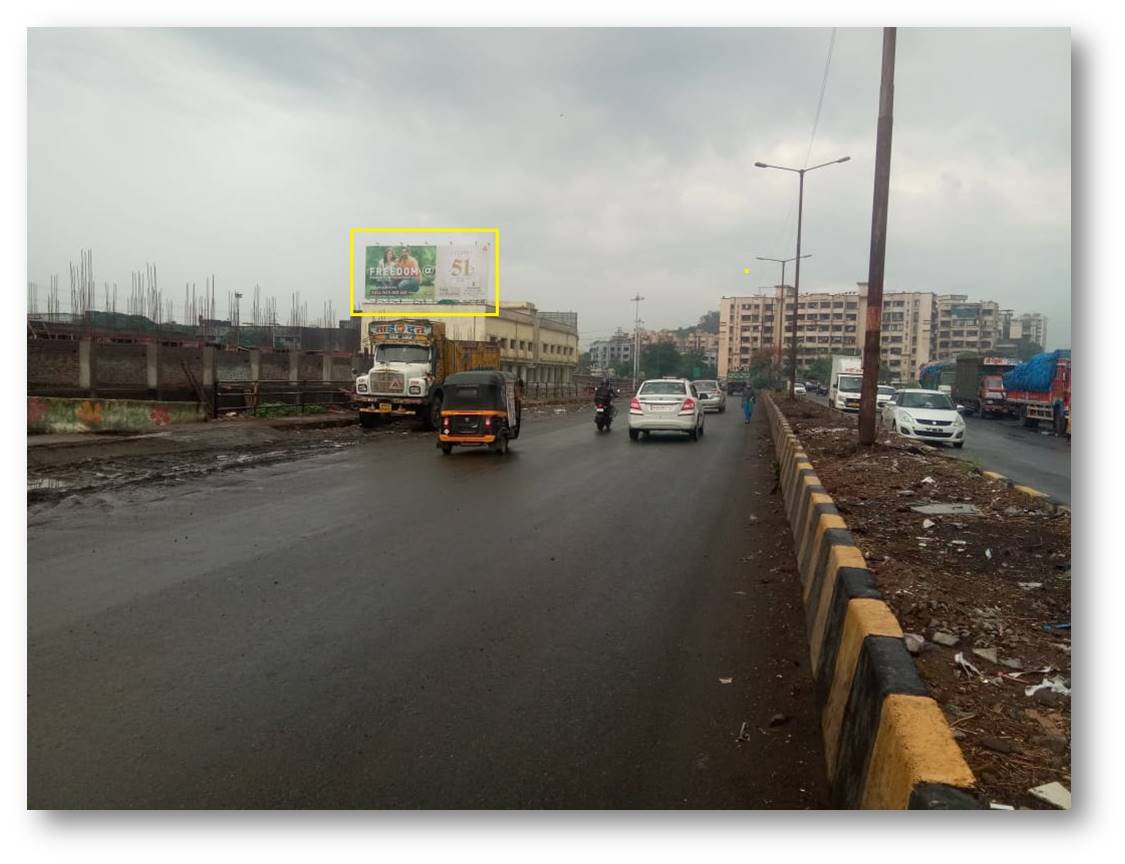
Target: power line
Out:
[820,99]
[788,226]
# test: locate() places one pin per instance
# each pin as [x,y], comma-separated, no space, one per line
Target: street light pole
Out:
[800,172]
[636,336]
[783,262]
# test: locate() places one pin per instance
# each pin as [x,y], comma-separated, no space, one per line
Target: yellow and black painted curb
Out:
[1048,501]
[886,742]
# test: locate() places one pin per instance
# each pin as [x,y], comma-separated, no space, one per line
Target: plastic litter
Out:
[1055,685]
[725,680]
[1054,794]
[927,479]
[928,523]
[1030,586]
[966,667]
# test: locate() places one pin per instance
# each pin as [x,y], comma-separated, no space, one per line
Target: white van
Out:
[845,383]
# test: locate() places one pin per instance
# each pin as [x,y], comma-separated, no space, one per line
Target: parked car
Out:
[799,389]
[711,395]
[821,389]
[883,395]
[666,405]
[926,415]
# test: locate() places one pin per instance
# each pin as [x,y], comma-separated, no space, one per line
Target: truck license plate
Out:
[385,407]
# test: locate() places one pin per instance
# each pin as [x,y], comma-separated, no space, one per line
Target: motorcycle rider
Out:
[605,394]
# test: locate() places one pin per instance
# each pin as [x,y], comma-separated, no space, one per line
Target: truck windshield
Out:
[850,383]
[993,382]
[402,354]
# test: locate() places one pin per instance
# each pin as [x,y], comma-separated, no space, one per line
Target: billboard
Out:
[436,272]
[400,274]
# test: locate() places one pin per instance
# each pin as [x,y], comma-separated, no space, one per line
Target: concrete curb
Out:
[886,742]
[1034,494]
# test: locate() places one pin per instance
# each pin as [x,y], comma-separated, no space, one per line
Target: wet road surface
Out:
[387,627]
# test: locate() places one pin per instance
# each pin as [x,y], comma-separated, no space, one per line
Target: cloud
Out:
[614,161]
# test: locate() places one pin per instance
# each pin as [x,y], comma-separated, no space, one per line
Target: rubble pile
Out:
[979,577]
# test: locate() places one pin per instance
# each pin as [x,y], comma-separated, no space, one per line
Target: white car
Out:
[883,396]
[799,389]
[666,405]
[711,395]
[924,415]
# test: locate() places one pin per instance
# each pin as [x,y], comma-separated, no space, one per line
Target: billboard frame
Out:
[414,308]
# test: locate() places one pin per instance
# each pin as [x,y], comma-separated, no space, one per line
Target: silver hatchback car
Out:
[711,395]
[666,405]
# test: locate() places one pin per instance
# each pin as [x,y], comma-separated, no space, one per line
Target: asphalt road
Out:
[386,627]
[1025,455]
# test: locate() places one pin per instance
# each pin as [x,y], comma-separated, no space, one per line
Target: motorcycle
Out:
[603,414]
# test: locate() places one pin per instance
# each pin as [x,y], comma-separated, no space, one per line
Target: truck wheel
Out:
[1060,424]
[435,412]
[368,421]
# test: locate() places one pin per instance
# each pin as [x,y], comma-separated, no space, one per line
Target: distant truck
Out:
[1039,389]
[845,383]
[978,384]
[938,376]
[411,360]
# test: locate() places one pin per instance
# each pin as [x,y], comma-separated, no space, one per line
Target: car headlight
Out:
[906,416]
[958,420]
[361,387]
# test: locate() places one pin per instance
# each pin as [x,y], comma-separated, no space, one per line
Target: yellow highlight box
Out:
[409,309]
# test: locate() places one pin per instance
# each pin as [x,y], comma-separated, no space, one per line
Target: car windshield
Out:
[850,383]
[886,391]
[938,401]
[402,354]
[662,388]
[709,386]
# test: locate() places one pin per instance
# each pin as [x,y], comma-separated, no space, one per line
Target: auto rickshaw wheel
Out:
[446,449]
[500,445]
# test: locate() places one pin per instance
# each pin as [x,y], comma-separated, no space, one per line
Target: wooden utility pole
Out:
[874,324]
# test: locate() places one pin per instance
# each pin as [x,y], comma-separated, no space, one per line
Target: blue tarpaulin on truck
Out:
[1035,374]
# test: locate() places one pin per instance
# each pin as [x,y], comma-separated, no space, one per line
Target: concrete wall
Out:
[52,363]
[55,415]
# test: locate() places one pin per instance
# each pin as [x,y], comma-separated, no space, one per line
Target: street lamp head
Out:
[761,165]
[843,159]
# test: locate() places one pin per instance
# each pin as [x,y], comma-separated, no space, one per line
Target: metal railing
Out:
[269,396]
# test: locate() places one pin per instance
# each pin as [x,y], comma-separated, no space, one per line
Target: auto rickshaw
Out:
[480,409]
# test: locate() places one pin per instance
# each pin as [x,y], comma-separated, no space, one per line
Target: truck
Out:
[979,384]
[1039,389]
[938,376]
[411,359]
[845,383]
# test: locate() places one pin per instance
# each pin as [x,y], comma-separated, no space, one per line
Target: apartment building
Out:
[607,353]
[827,324]
[1031,326]
[964,326]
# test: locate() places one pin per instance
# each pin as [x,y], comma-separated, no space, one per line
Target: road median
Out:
[887,744]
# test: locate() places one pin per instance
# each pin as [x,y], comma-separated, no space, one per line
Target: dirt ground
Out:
[995,583]
[76,467]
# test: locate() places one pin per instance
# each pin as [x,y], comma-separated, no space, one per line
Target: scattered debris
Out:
[915,642]
[1053,685]
[947,509]
[993,805]
[1054,794]
[966,667]
[928,523]
[725,680]
[779,720]
[743,735]
[946,639]
[988,654]
[1030,586]
[928,480]
[988,554]
[998,745]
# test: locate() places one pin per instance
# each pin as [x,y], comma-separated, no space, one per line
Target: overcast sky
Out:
[613,161]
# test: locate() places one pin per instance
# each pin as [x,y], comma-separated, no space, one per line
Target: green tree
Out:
[709,322]
[695,360]
[820,369]
[583,363]
[765,370]
[660,359]
[1028,349]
